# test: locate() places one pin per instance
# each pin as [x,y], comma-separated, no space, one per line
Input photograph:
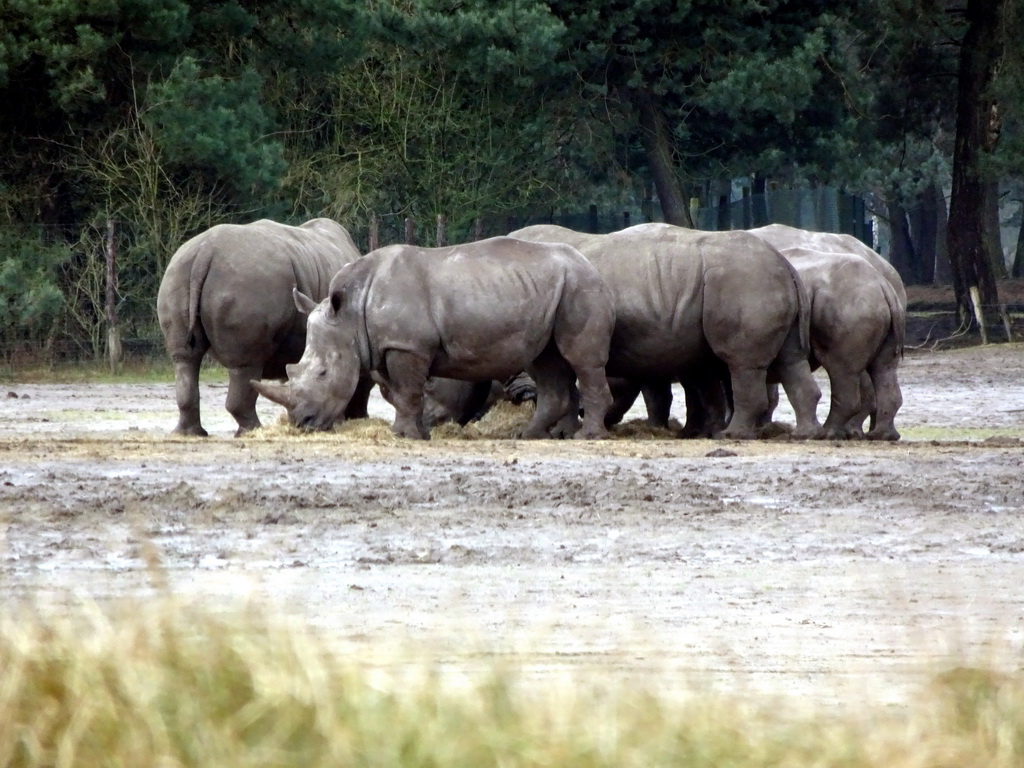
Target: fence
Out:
[823,209]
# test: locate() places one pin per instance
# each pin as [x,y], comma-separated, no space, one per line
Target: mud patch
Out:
[815,569]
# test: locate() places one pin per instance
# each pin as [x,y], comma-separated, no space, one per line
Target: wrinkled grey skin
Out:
[228,291]
[857,331]
[479,311]
[703,308]
[880,395]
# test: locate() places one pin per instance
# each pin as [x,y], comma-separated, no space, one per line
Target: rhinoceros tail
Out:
[803,305]
[197,278]
[898,312]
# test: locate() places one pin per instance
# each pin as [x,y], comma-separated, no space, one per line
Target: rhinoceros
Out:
[228,291]
[479,311]
[783,236]
[703,308]
[857,332]
[873,404]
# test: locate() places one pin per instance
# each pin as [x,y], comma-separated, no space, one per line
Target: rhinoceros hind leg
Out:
[888,399]
[596,399]
[555,381]
[845,402]
[186,389]
[241,399]
[750,402]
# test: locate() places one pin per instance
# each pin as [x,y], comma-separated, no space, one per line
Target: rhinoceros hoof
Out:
[811,433]
[190,431]
[411,432]
[883,434]
[591,434]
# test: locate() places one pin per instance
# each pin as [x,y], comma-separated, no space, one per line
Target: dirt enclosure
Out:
[827,572]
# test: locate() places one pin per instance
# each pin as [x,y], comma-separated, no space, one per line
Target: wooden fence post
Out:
[114,351]
[374,232]
[410,231]
[442,230]
[478,228]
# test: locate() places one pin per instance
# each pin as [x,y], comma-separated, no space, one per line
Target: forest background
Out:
[128,126]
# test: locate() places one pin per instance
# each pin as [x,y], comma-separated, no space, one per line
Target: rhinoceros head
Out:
[322,383]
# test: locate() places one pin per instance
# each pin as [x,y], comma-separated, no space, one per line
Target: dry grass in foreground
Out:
[180,686]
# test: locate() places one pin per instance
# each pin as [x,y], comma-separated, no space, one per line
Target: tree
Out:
[30,297]
[711,89]
[977,132]
[159,113]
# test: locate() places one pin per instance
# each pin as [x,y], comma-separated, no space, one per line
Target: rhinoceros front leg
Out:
[624,394]
[407,376]
[357,406]
[186,390]
[658,399]
[241,400]
[707,405]
[803,394]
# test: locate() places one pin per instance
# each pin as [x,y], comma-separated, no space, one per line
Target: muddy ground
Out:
[820,571]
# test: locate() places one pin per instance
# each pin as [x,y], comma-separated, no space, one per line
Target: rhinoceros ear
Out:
[337,299]
[303,303]
[275,391]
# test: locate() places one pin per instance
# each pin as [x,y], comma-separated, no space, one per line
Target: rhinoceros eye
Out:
[322,373]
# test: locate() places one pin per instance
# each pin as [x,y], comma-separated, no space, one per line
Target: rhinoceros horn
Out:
[275,391]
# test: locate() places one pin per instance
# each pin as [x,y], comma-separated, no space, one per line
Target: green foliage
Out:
[217,126]
[1008,90]
[173,115]
[30,298]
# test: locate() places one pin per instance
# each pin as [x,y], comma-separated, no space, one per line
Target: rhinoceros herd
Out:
[592,320]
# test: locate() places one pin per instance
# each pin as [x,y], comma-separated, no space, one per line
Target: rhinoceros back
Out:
[237,279]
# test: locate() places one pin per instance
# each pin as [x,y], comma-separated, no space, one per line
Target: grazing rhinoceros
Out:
[857,331]
[229,291]
[702,308]
[484,310]
[785,237]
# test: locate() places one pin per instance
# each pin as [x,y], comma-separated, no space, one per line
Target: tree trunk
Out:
[114,353]
[924,229]
[993,237]
[977,129]
[901,245]
[658,148]
[943,271]
[1018,259]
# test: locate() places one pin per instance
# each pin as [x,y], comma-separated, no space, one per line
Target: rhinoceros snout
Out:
[311,422]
